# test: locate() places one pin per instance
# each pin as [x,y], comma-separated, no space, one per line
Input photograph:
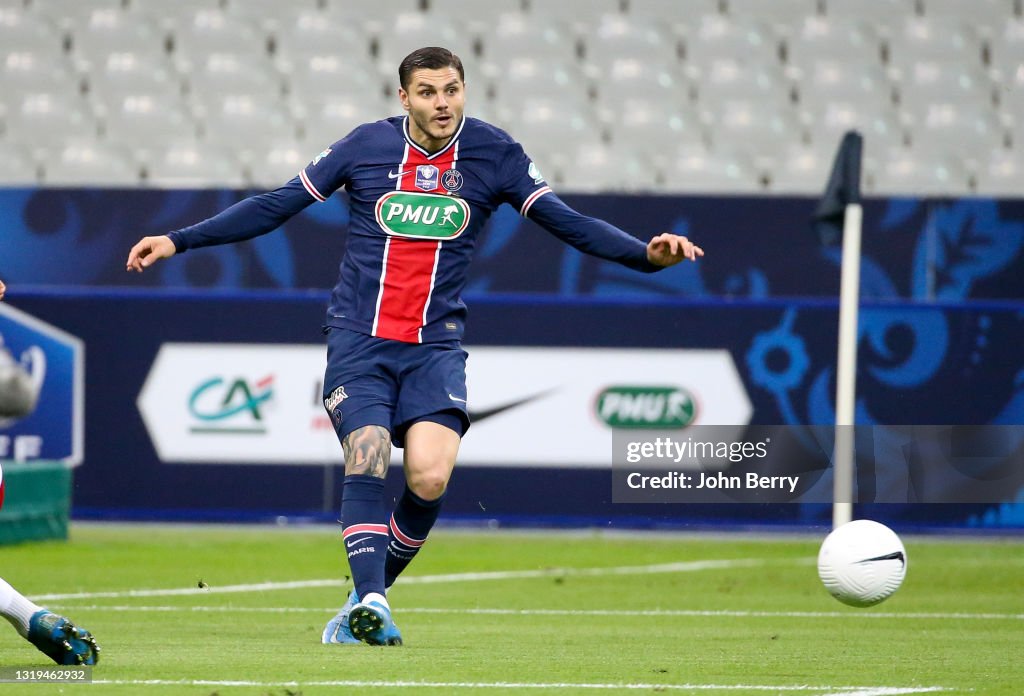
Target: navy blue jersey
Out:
[415,218]
[414,221]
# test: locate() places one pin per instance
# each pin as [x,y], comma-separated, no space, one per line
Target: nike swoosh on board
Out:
[477,416]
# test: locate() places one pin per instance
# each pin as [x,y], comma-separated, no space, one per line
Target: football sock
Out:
[408,529]
[365,532]
[16,608]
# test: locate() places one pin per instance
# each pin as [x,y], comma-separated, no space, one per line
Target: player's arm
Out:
[246,219]
[606,241]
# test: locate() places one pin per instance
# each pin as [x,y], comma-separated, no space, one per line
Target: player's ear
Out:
[403,96]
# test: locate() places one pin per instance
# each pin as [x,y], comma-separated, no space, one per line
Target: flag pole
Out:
[846,367]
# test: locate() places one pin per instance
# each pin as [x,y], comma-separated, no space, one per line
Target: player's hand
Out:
[3,289]
[669,249]
[148,251]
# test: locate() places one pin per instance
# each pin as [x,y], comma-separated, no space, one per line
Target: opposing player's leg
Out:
[431,447]
[55,636]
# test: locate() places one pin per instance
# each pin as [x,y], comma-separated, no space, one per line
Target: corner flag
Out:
[843,189]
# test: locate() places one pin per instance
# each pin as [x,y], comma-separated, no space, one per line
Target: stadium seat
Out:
[24,70]
[666,13]
[269,15]
[718,38]
[373,18]
[312,76]
[826,124]
[954,129]
[107,32]
[413,30]
[23,31]
[45,118]
[1006,49]
[215,31]
[278,162]
[245,122]
[906,173]
[17,167]
[834,39]
[783,16]
[90,163]
[752,127]
[526,78]
[1001,173]
[578,16]
[599,167]
[836,80]
[728,79]
[884,17]
[947,41]
[312,34]
[545,126]
[800,170]
[988,16]
[133,73]
[219,74]
[171,16]
[190,164]
[617,37]
[627,79]
[144,120]
[331,118]
[71,15]
[699,170]
[651,129]
[472,16]
[928,81]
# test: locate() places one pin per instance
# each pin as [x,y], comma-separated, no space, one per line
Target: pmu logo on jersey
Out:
[646,407]
[422,215]
[230,406]
[426,177]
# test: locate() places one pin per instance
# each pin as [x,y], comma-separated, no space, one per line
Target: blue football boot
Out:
[62,641]
[372,623]
[337,630]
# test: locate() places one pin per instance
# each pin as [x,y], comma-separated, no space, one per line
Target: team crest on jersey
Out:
[452,180]
[422,215]
[426,177]
[319,157]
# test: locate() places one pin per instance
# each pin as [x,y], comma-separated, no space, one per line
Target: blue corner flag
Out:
[843,188]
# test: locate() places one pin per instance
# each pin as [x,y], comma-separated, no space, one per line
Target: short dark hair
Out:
[431,58]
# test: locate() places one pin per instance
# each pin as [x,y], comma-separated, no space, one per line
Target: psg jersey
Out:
[414,221]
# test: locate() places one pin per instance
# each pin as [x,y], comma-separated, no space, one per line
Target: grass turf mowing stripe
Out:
[681,567]
[853,614]
[806,688]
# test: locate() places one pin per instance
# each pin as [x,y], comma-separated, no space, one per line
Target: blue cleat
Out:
[337,630]
[62,641]
[372,623]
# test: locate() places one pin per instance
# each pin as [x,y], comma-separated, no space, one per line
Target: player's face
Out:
[435,102]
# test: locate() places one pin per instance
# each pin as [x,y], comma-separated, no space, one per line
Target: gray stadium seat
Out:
[312,34]
[110,31]
[124,74]
[948,41]
[616,37]
[278,162]
[90,163]
[800,170]
[926,81]
[190,164]
[667,13]
[312,76]
[413,30]
[752,127]
[45,118]
[718,37]
[883,16]
[907,173]
[783,16]
[578,16]
[23,31]
[652,129]
[1001,173]
[215,31]
[70,15]
[699,170]
[827,123]
[23,70]
[955,129]
[526,78]
[729,79]
[218,74]
[270,15]
[829,38]
[17,167]
[988,16]
[472,15]
[626,79]
[545,126]
[331,118]
[244,122]
[171,15]
[372,17]
[143,121]
[836,80]
[599,167]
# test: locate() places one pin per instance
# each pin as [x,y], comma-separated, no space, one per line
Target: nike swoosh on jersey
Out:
[393,175]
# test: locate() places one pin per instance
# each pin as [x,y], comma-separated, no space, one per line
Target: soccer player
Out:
[54,635]
[421,187]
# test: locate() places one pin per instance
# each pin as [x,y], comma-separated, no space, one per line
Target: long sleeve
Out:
[590,235]
[246,219]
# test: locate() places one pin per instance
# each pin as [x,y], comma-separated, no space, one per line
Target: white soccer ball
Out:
[862,563]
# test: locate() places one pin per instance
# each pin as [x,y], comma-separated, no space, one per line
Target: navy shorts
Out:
[377,381]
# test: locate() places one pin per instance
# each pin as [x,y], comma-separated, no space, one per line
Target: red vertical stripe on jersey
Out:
[410,264]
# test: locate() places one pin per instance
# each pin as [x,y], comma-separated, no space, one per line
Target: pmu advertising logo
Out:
[230,405]
[647,407]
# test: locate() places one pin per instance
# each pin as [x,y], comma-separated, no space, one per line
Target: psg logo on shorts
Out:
[452,180]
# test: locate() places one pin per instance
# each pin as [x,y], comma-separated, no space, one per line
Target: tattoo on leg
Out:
[367,451]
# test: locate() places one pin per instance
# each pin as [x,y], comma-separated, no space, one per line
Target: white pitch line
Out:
[560,612]
[680,567]
[836,690]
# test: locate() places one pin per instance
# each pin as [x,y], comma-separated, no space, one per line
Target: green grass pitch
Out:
[500,612]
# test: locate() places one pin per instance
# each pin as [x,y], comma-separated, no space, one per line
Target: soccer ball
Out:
[862,563]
